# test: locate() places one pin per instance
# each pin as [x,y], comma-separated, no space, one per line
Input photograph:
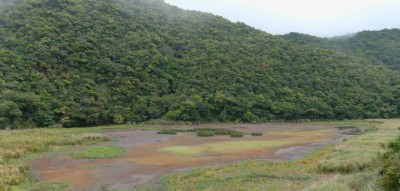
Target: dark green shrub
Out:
[205,133]
[391,166]
[237,134]
[224,132]
[391,174]
[256,134]
[394,146]
[167,132]
[179,130]
[216,131]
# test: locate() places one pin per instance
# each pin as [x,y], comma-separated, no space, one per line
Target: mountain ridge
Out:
[380,46]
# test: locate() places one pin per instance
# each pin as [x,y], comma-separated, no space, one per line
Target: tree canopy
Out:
[377,46]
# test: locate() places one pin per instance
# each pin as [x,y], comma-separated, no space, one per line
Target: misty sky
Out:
[315,17]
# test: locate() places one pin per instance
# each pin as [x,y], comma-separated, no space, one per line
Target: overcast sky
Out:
[316,17]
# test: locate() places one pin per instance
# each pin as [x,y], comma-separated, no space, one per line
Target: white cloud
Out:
[317,17]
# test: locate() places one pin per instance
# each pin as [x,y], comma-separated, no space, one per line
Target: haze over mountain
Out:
[94,62]
[315,17]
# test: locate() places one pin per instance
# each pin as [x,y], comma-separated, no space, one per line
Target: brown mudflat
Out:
[151,155]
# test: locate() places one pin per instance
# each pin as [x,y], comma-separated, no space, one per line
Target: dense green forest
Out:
[378,46]
[94,62]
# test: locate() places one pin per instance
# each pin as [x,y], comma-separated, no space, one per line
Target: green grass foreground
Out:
[100,152]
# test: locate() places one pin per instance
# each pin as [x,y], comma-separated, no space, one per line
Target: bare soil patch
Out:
[151,155]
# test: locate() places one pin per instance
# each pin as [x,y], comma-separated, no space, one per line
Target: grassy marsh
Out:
[348,165]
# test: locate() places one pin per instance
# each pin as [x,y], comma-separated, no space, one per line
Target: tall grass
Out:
[359,152]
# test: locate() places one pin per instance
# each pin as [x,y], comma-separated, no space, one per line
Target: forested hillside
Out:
[94,62]
[378,46]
